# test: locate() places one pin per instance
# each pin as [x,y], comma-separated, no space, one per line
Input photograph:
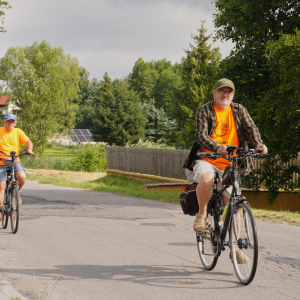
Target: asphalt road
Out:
[76,244]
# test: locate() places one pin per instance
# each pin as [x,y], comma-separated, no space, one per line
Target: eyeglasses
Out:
[227,93]
[10,121]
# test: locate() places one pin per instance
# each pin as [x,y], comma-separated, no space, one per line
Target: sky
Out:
[110,35]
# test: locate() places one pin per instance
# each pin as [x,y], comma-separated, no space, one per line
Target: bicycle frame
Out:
[230,218]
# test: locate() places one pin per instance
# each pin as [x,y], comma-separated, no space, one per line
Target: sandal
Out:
[241,257]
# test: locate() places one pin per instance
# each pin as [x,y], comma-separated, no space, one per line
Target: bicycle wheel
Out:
[14,214]
[4,213]
[244,251]
[205,246]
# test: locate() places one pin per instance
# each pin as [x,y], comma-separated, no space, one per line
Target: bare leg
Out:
[2,191]
[204,191]
[21,177]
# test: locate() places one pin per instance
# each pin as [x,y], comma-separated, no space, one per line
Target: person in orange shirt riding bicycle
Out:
[11,139]
[218,124]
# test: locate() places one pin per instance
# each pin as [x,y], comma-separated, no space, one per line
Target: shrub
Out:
[90,158]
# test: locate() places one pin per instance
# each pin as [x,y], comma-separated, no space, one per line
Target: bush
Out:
[90,158]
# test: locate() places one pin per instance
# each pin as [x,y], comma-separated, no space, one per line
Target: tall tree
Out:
[155,79]
[119,116]
[44,82]
[3,5]
[279,114]
[250,25]
[262,81]
[199,70]
[159,127]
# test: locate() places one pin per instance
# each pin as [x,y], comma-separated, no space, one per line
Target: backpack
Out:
[188,200]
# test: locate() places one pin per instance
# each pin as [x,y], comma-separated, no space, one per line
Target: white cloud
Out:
[109,35]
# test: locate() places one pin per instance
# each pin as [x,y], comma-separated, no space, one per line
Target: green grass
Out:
[112,184]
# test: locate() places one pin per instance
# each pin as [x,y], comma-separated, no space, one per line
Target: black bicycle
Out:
[10,205]
[239,221]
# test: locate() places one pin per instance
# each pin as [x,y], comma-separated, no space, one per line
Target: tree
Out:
[155,79]
[3,5]
[279,114]
[199,70]
[250,25]
[260,86]
[119,117]
[159,127]
[43,81]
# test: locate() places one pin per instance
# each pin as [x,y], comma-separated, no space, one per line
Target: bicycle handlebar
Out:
[240,156]
[13,154]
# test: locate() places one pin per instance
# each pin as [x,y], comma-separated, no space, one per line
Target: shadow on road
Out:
[163,276]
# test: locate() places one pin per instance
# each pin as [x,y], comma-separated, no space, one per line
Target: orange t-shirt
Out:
[224,133]
[11,141]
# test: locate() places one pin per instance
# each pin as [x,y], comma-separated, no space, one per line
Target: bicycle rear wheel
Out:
[4,213]
[14,214]
[244,251]
[205,246]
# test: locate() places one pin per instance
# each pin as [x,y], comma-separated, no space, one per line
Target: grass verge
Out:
[127,186]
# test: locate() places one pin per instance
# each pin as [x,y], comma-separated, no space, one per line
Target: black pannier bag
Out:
[188,200]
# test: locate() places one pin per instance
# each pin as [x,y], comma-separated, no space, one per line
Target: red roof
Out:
[4,100]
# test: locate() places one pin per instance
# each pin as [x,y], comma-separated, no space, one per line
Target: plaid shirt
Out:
[205,123]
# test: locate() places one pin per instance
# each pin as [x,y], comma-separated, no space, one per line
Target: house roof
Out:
[4,100]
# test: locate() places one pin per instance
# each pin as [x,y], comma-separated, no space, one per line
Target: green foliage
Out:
[199,71]
[156,79]
[250,25]
[148,144]
[278,114]
[264,67]
[3,5]
[119,117]
[43,81]
[90,158]
[159,126]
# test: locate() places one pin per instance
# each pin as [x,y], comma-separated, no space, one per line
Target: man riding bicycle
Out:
[218,124]
[10,140]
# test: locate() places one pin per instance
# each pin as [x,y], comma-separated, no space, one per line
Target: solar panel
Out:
[80,135]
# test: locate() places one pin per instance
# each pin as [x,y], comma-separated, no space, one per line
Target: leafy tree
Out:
[3,5]
[199,70]
[43,81]
[260,85]
[155,79]
[159,127]
[119,117]
[250,25]
[86,101]
[279,114]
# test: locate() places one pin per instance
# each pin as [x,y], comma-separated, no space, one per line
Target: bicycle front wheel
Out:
[4,213]
[244,249]
[14,214]
[205,246]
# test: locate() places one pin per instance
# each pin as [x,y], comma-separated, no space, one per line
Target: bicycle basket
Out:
[188,200]
[226,178]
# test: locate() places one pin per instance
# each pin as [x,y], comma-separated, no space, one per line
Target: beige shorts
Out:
[202,167]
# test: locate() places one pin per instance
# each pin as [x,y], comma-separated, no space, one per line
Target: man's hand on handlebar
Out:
[29,153]
[263,148]
[223,150]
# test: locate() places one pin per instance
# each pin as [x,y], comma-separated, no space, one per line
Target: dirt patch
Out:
[68,175]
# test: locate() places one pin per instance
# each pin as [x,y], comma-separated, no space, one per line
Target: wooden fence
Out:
[159,162]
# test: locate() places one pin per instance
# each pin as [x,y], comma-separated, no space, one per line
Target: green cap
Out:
[224,82]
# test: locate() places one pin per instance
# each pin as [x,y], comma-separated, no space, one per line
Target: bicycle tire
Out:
[205,247]
[14,214]
[4,213]
[245,269]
